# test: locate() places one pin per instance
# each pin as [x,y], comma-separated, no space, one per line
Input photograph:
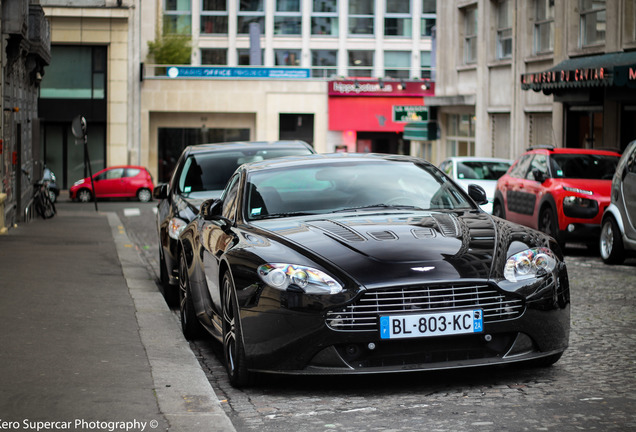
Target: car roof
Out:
[478,159]
[571,150]
[252,145]
[330,158]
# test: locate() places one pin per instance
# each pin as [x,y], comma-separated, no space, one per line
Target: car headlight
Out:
[79,182]
[529,263]
[309,280]
[175,226]
[572,201]
[577,190]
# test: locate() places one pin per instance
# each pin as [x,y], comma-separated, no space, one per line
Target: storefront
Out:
[598,95]
[370,115]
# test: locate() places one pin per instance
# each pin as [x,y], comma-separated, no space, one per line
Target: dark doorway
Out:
[584,128]
[297,127]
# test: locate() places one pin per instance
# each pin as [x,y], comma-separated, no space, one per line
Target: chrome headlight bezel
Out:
[309,280]
[530,263]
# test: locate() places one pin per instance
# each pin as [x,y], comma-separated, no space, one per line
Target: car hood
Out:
[381,248]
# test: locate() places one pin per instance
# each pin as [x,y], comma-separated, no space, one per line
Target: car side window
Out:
[540,163]
[521,167]
[132,172]
[230,198]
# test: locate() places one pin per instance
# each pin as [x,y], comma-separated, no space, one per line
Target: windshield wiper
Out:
[378,206]
[285,214]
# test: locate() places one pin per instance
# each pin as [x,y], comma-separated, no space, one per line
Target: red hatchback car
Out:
[115,182]
[560,191]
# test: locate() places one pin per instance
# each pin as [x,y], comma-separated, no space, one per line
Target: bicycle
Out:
[41,201]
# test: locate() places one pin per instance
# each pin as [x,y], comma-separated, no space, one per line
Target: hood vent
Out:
[338,230]
[423,233]
[383,235]
[448,224]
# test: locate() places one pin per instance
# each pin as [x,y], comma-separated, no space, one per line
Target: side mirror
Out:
[477,193]
[161,191]
[211,209]
[539,175]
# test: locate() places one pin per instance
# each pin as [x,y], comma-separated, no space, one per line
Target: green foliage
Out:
[170,49]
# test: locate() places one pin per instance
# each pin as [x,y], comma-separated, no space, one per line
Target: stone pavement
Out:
[87,341]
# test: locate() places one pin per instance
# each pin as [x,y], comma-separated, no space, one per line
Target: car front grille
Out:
[362,315]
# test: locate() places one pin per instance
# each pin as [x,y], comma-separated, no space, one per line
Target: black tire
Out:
[170,292]
[611,242]
[498,210]
[549,224]
[84,195]
[44,206]
[53,196]
[233,349]
[144,195]
[190,325]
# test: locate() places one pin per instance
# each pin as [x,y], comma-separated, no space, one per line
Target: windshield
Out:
[583,166]
[481,170]
[205,172]
[349,187]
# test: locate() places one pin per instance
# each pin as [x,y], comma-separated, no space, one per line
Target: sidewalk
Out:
[87,341]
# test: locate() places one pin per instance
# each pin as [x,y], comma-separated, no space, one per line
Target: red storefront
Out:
[371,114]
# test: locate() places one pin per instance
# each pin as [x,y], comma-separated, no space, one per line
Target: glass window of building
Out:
[470,35]
[397,20]
[461,135]
[593,22]
[213,56]
[544,27]
[360,63]
[214,16]
[324,17]
[287,57]
[397,64]
[287,18]
[76,72]
[243,55]
[177,17]
[504,29]
[323,63]
[428,17]
[250,11]
[425,64]
[361,13]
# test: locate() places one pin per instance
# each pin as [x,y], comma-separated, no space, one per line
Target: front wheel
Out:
[233,349]
[497,210]
[144,195]
[611,243]
[84,195]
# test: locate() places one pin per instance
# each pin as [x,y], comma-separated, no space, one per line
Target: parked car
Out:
[49,177]
[201,173]
[560,191]
[618,227]
[115,182]
[366,263]
[484,172]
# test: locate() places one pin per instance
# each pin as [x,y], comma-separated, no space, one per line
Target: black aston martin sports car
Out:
[352,263]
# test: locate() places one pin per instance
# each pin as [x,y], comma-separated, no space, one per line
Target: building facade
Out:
[25,53]
[492,54]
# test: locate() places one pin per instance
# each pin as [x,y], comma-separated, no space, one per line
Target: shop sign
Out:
[237,72]
[410,113]
[625,76]
[566,78]
[380,87]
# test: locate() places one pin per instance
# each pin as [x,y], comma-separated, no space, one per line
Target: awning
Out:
[457,100]
[615,69]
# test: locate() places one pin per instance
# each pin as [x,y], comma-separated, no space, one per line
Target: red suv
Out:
[560,191]
[115,182]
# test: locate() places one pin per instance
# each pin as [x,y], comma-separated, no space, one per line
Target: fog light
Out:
[371,346]
[571,228]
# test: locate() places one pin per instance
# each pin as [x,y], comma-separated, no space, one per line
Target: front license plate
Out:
[431,324]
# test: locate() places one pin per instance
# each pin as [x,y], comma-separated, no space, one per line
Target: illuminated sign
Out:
[410,113]
[237,72]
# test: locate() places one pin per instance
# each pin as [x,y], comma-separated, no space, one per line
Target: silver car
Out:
[618,227]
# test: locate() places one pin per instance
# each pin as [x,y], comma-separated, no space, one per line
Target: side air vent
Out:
[383,235]
[338,230]
[448,225]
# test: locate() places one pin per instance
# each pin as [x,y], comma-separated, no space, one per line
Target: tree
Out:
[170,49]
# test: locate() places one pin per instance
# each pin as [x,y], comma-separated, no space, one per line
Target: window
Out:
[461,135]
[244,57]
[213,56]
[360,63]
[428,17]
[592,22]
[213,16]
[286,57]
[470,35]
[425,64]
[539,163]
[287,19]
[504,30]
[361,13]
[75,73]
[544,27]
[320,62]
[397,64]
[177,17]
[324,18]
[250,11]
[397,20]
